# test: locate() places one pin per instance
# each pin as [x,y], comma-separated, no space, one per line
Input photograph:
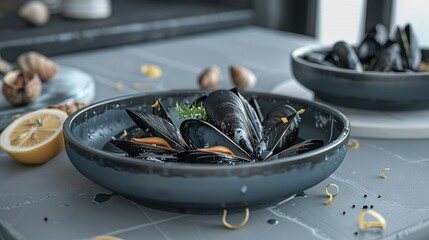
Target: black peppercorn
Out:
[344,212]
[353,206]
[45,219]
[365,206]
[365,196]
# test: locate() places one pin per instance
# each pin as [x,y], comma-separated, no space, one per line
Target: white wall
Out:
[340,20]
[345,19]
[415,12]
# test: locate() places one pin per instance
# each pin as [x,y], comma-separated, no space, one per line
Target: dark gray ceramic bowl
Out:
[366,90]
[202,188]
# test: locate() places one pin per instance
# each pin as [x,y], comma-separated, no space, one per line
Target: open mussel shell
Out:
[158,127]
[410,51]
[372,43]
[389,59]
[302,147]
[279,137]
[195,156]
[343,56]
[257,129]
[276,114]
[226,112]
[160,110]
[137,149]
[200,134]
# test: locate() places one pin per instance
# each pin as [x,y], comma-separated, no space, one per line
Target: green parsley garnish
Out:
[192,112]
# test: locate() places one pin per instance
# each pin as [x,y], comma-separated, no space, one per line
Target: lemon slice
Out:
[35,137]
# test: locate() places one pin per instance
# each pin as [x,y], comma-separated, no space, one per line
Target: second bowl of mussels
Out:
[380,73]
[196,151]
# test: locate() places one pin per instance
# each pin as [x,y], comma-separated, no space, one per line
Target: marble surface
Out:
[54,201]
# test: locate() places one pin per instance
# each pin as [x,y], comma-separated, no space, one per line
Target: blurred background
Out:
[76,25]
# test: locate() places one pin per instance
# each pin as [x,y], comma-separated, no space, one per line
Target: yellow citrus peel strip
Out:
[284,120]
[301,111]
[124,134]
[353,144]
[156,104]
[382,175]
[363,225]
[240,225]
[331,195]
[152,71]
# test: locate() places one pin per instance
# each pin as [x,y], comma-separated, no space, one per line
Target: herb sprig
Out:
[193,112]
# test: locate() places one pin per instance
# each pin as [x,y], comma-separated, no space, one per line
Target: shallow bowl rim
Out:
[343,135]
[372,76]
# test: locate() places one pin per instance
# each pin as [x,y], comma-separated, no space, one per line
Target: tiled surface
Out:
[57,191]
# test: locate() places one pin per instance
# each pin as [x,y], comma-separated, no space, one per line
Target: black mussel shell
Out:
[256,125]
[254,103]
[302,147]
[279,137]
[226,112]
[372,43]
[276,114]
[138,149]
[195,156]
[200,134]
[410,51]
[199,101]
[158,127]
[389,59]
[159,110]
[343,56]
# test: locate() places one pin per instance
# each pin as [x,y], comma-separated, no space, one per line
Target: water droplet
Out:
[272,221]
[244,189]
[100,198]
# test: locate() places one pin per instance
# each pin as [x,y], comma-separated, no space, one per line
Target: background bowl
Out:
[365,90]
[202,188]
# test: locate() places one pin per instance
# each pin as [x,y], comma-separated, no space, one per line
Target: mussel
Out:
[410,51]
[232,133]
[389,59]
[372,44]
[343,56]
[226,112]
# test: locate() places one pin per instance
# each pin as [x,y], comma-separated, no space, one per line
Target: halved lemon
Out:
[35,137]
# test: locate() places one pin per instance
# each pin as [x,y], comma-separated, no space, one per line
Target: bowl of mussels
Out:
[202,152]
[378,74]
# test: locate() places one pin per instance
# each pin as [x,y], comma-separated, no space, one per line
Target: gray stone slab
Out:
[57,191]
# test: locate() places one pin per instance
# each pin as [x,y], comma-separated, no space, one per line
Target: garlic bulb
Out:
[35,13]
[21,88]
[242,77]
[209,78]
[36,63]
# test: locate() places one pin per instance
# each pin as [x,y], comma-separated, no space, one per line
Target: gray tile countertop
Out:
[54,201]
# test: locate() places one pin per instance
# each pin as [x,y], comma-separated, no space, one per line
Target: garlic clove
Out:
[242,77]
[35,13]
[21,88]
[209,78]
[36,63]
